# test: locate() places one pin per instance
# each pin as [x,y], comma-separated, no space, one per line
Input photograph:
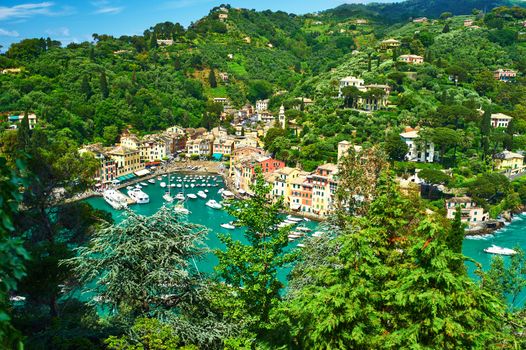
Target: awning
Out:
[126,177]
[295,206]
[217,156]
[142,172]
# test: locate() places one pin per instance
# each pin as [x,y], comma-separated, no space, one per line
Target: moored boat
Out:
[191,196]
[116,199]
[180,196]
[499,250]
[167,197]
[152,181]
[139,196]
[228,226]
[163,184]
[201,194]
[213,204]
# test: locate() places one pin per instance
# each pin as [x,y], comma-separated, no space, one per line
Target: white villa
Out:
[417,151]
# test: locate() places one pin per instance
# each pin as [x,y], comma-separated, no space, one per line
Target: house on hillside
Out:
[505,75]
[471,213]
[500,120]
[411,59]
[223,17]
[418,150]
[509,162]
[351,81]
[107,171]
[126,159]
[468,22]
[390,44]
[262,105]
[15,120]
[165,42]
[344,147]
[421,20]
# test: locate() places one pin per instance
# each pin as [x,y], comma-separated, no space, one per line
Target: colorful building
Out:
[500,120]
[509,162]
[126,159]
[411,59]
[418,150]
[505,75]
[471,213]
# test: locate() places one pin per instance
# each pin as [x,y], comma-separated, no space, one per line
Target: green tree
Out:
[85,87]
[446,28]
[395,147]
[251,269]
[110,135]
[103,83]
[212,79]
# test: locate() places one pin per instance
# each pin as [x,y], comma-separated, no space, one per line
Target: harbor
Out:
[202,211]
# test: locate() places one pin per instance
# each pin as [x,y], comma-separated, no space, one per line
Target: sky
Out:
[75,20]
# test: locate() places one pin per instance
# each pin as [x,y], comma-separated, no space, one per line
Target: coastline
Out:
[490,232]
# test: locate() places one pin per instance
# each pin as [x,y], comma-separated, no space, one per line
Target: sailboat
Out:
[167,196]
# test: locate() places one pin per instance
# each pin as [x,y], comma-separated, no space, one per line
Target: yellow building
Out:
[510,162]
[283,183]
[127,160]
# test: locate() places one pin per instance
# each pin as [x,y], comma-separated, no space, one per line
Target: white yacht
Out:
[180,209]
[292,218]
[139,196]
[167,197]
[191,196]
[201,194]
[227,195]
[152,181]
[213,204]
[144,184]
[116,199]
[228,226]
[180,196]
[499,250]
[163,184]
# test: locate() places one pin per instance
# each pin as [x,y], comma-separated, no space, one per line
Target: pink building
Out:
[470,211]
[504,75]
[411,59]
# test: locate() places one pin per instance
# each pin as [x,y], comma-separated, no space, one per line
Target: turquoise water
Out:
[511,236]
[200,214]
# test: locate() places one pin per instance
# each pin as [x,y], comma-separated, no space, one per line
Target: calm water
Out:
[200,214]
[511,236]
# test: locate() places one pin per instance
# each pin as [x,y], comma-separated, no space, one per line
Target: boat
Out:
[206,191]
[227,195]
[180,196]
[159,178]
[301,245]
[152,181]
[144,184]
[317,234]
[163,184]
[213,204]
[164,175]
[292,218]
[290,222]
[172,185]
[181,210]
[179,185]
[192,185]
[306,219]
[228,226]
[129,187]
[220,190]
[138,186]
[116,199]
[167,197]
[500,250]
[139,196]
[303,229]
[201,194]
[191,196]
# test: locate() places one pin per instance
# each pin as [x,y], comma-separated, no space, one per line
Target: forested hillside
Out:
[386,271]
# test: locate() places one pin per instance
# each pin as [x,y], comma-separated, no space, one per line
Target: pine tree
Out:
[85,87]
[104,85]
[446,28]
[212,79]
[153,41]
[24,134]
[485,132]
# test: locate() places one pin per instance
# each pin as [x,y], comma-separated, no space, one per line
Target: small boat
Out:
[303,229]
[116,199]
[192,185]
[228,226]
[290,222]
[144,184]
[306,219]
[317,234]
[301,245]
[227,195]
[165,175]
[129,188]
[213,204]
[163,184]
[499,250]
[167,197]
[191,196]
[181,210]
[292,218]
[180,196]
[138,186]
[172,185]
[139,196]
[159,178]
[206,191]
[220,190]
[201,194]
[185,186]
[179,185]
[152,181]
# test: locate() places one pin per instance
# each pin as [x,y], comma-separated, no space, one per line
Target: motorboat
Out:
[180,196]
[303,229]
[115,198]
[228,226]
[129,187]
[138,186]
[192,185]
[201,194]
[163,184]
[172,185]
[152,181]
[220,190]
[179,185]
[301,245]
[144,184]
[159,178]
[191,196]
[227,195]
[500,250]
[180,209]
[292,218]
[206,191]
[139,196]
[167,197]
[213,204]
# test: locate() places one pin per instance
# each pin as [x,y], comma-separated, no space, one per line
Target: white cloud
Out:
[106,7]
[25,10]
[62,31]
[12,33]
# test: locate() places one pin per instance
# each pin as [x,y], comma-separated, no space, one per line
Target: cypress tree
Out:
[212,79]
[104,85]
[24,133]
[85,87]
[446,28]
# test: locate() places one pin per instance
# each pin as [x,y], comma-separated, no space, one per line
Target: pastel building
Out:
[418,150]
[107,172]
[504,75]
[411,59]
[471,213]
[126,159]
[510,162]
[15,120]
[500,120]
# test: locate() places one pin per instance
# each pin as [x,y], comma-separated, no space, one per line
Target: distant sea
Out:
[511,236]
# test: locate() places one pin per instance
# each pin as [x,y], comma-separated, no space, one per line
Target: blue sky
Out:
[75,20]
